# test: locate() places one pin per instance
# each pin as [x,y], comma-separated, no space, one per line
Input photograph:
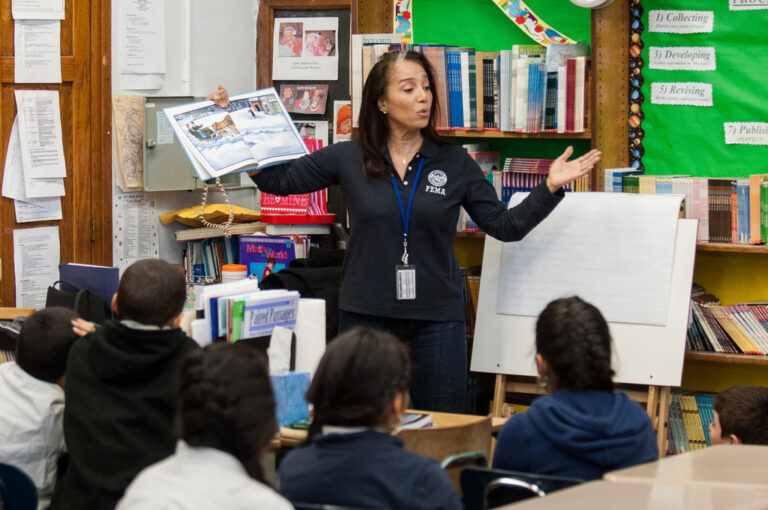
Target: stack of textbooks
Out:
[741,328]
[689,417]
[239,310]
[527,89]
[729,210]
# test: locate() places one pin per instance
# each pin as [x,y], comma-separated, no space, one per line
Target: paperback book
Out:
[254,131]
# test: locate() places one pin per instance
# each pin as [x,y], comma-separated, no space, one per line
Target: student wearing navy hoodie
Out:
[583,428]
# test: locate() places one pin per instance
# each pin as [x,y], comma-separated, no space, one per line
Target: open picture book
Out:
[254,131]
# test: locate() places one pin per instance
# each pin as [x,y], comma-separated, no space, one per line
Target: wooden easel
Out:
[656,399]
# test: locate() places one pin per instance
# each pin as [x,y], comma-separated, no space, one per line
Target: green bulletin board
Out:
[691,139]
[480,24]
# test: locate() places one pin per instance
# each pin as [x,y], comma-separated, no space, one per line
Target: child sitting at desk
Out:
[32,403]
[740,416]
[360,393]
[584,428]
[121,388]
[226,419]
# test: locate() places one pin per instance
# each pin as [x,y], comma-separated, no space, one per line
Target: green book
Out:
[238,311]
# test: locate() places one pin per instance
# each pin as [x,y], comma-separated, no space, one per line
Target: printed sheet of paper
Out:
[35,264]
[37,9]
[746,133]
[42,148]
[748,5]
[142,44]
[128,123]
[135,227]
[305,49]
[142,36]
[42,209]
[37,51]
[682,58]
[682,93]
[681,22]
[15,185]
[612,249]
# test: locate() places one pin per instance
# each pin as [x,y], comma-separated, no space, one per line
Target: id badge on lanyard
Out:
[405,273]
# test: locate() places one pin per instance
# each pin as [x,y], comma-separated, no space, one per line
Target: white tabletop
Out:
[721,465]
[647,496]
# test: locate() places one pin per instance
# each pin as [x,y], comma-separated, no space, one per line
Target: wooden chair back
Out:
[443,441]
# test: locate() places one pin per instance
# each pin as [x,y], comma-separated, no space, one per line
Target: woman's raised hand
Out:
[562,171]
[220,97]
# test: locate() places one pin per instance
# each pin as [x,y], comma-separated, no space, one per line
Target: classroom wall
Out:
[207,44]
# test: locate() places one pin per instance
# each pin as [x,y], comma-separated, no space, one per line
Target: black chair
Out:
[488,488]
[17,491]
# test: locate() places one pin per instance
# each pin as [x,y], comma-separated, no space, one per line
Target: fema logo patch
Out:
[437,178]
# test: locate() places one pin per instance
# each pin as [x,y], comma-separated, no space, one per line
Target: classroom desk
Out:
[291,438]
[721,465]
[650,496]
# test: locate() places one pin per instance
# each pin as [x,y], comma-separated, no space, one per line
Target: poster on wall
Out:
[307,99]
[305,49]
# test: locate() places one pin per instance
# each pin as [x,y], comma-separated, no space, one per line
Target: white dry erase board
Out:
[642,353]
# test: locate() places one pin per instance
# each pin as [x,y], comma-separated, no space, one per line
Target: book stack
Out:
[527,89]
[239,310]
[731,210]
[740,328]
[204,258]
[689,417]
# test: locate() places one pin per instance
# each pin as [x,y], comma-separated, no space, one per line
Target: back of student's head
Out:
[44,342]
[743,412]
[573,338]
[151,291]
[360,374]
[226,402]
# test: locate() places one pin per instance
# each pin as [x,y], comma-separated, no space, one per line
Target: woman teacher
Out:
[404,187]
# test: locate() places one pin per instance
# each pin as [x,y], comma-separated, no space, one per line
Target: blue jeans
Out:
[438,356]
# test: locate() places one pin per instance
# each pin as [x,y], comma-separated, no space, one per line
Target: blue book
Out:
[100,279]
[453,71]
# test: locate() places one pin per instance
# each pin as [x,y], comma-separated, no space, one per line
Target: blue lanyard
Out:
[405,214]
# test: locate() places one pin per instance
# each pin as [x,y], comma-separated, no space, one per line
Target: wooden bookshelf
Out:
[721,357]
[733,248]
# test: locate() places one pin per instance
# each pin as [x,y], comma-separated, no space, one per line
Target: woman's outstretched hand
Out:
[220,97]
[562,171]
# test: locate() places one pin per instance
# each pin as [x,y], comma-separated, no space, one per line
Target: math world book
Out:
[254,131]
[264,255]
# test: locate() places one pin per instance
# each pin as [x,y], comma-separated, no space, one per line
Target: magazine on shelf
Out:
[254,131]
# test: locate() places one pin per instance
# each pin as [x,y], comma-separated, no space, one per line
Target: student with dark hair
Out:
[32,398]
[121,388]
[583,428]
[740,416]
[360,393]
[398,160]
[226,419]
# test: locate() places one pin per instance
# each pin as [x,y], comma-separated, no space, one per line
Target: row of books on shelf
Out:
[261,254]
[741,328]
[516,174]
[527,89]
[729,210]
[689,417]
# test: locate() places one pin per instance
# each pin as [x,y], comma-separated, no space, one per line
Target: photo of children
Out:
[290,39]
[305,49]
[320,43]
[309,99]
[342,114]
